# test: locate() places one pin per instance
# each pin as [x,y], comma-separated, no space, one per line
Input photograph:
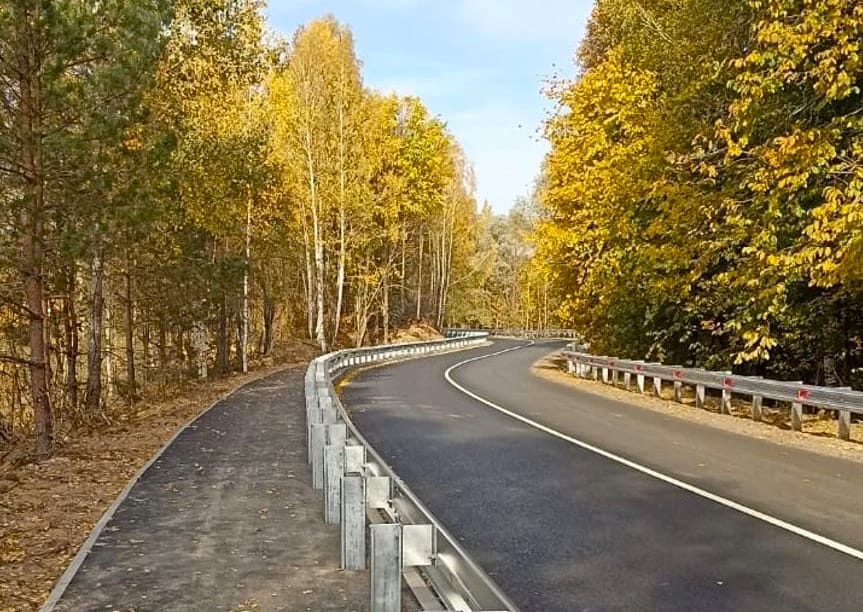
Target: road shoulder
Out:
[772,429]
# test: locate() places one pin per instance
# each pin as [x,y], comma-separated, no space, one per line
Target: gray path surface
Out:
[563,529]
[225,520]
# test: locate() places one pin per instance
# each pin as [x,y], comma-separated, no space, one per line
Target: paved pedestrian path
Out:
[225,520]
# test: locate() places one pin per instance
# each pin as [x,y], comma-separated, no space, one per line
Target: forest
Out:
[702,202]
[182,190]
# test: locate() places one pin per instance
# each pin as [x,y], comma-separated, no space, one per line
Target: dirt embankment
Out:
[417,331]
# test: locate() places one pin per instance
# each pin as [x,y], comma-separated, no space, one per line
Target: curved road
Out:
[562,528]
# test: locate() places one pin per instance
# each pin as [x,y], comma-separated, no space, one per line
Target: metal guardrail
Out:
[375,507]
[844,400]
[546,334]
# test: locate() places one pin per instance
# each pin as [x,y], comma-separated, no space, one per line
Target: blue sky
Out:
[478,64]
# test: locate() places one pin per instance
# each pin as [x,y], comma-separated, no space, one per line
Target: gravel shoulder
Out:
[818,436]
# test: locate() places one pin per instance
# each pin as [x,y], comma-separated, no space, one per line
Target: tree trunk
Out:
[308,281]
[385,303]
[109,348]
[32,221]
[317,238]
[93,399]
[340,275]
[145,351]
[163,345]
[131,379]
[267,336]
[402,280]
[244,326]
[70,325]
[238,338]
[420,277]
[385,293]
[222,339]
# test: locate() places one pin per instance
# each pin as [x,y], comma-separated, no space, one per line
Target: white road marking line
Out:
[728,503]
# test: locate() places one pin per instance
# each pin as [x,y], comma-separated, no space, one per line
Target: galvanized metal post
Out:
[379,492]
[337,434]
[657,386]
[313,416]
[845,424]
[614,377]
[318,438]
[639,381]
[725,405]
[334,470]
[418,545]
[678,391]
[627,381]
[353,521]
[605,375]
[355,458]
[386,570]
[700,395]
[757,403]
[797,416]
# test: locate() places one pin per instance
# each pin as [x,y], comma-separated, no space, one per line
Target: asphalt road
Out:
[562,528]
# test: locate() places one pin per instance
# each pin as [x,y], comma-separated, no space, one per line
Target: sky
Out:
[478,64]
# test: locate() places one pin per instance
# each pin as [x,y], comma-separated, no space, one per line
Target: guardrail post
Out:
[605,375]
[614,377]
[569,366]
[328,410]
[418,545]
[845,424]
[639,380]
[355,458]
[678,391]
[317,439]
[595,372]
[627,381]
[353,523]
[797,416]
[334,469]
[757,403]
[379,492]
[700,394]
[657,386]
[725,406]
[313,415]
[386,571]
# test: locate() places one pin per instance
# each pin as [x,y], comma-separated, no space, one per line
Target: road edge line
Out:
[728,503]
